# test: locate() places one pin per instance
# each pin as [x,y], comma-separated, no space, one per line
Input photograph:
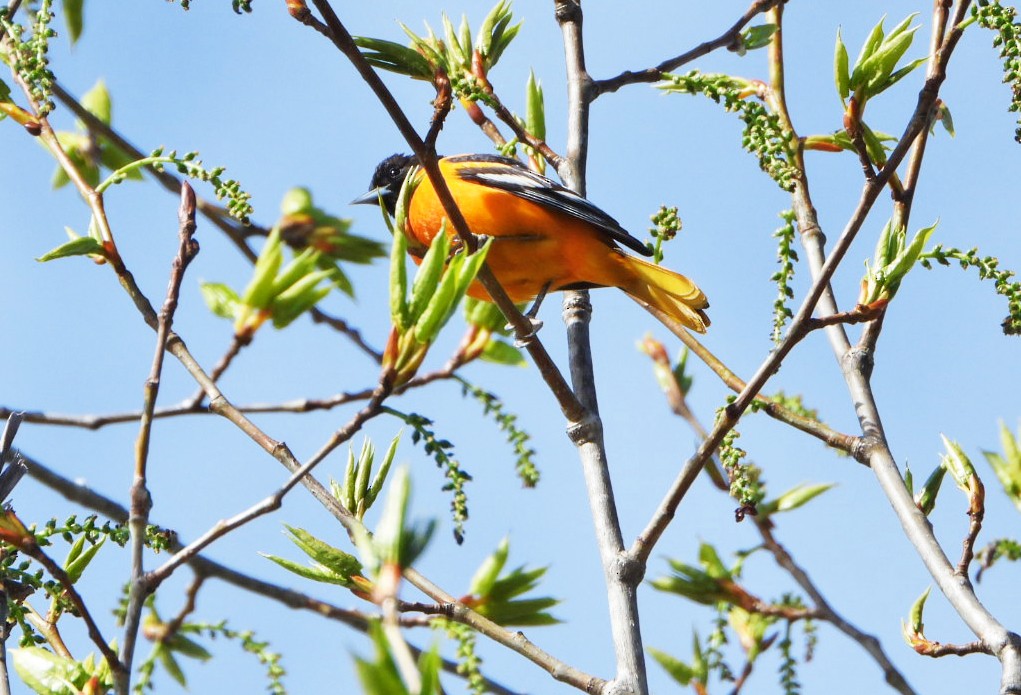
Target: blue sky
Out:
[277,105]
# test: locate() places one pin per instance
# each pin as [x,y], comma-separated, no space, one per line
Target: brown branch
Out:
[976,514]
[373,408]
[141,500]
[727,39]
[838,440]
[860,314]
[295,600]
[190,596]
[441,108]
[32,549]
[868,642]
[938,649]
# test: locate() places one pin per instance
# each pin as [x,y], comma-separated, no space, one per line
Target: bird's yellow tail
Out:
[672,293]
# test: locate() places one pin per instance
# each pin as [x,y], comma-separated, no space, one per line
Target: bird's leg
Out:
[530,315]
[534,310]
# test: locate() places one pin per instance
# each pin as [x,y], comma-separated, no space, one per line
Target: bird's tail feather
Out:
[669,292]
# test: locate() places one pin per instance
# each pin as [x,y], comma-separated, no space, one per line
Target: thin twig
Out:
[154,578]
[838,440]
[823,610]
[938,649]
[866,641]
[724,40]
[141,500]
[32,549]
[190,597]
[82,494]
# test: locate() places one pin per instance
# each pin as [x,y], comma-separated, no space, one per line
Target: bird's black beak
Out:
[372,197]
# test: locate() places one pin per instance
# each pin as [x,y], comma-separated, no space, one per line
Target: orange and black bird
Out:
[545,237]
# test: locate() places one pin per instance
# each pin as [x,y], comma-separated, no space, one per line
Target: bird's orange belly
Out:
[531,247]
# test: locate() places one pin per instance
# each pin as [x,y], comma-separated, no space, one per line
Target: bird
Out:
[545,237]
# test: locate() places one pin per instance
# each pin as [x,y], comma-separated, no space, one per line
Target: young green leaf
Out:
[840,74]
[97,102]
[429,272]
[1008,465]
[81,246]
[221,299]
[73,18]
[678,670]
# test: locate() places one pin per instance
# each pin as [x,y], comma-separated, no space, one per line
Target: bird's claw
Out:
[524,340]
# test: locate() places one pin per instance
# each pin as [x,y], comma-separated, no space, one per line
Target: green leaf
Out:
[485,576]
[259,292]
[170,664]
[296,270]
[80,246]
[1008,466]
[337,561]
[678,670]
[429,272]
[944,117]
[795,497]
[400,315]
[711,562]
[395,57]
[379,676]
[439,308]
[299,298]
[535,108]
[840,74]
[45,672]
[499,352]
[73,18]
[377,483]
[429,669]
[957,464]
[926,497]
[915,626]
[873,41]
[316,574]
[79,557]
[97,102]
[321,575]
[758,36]
[221,299]
[188,647]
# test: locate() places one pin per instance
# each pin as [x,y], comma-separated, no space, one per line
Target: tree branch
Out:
[141,501]
[727,39]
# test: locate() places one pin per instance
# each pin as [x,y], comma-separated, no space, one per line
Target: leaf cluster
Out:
[276,291]
[494,593]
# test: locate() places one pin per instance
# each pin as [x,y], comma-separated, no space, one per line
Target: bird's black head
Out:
[387,180]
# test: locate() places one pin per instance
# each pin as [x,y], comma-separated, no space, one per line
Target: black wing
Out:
[510,175]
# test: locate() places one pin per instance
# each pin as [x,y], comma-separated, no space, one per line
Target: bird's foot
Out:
[524,340]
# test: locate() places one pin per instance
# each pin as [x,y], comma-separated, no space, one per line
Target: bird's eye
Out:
[394,171]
